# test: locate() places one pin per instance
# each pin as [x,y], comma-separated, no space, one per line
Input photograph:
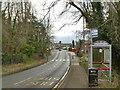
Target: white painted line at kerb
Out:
[60,82]
[22,81]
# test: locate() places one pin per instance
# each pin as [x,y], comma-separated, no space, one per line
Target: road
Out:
[44,76]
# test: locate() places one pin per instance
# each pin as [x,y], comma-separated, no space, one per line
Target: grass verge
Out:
[14,68]
[27,64]
[84,62]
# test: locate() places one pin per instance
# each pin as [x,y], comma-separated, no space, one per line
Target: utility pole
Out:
[73,43]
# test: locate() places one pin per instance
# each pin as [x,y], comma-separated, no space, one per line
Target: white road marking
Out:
[50,78]
[60,82]
[51,83]
[45,83]
[34,83]
[63,59]
[22,81]
[67,59]
[42,83]
[55,78]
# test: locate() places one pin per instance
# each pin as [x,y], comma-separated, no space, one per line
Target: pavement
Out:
[43,76]
[76,77]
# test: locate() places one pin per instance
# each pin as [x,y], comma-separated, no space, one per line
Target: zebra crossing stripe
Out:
[61,60]
[67,59]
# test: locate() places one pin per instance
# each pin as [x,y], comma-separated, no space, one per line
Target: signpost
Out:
[94,32]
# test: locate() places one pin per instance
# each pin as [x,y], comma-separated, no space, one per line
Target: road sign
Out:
[94,32]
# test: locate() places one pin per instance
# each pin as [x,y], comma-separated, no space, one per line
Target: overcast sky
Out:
[66,34]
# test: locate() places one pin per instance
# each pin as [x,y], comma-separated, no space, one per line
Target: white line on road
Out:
[42,83]
[63,59]
[45,83]
[61,80]
[50,78]
[51,83]
[55,78]
[22,81]
[67,59]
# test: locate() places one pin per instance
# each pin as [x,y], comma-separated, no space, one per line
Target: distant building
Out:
[58,45]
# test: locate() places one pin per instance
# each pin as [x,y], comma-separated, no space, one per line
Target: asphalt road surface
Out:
[44,76]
